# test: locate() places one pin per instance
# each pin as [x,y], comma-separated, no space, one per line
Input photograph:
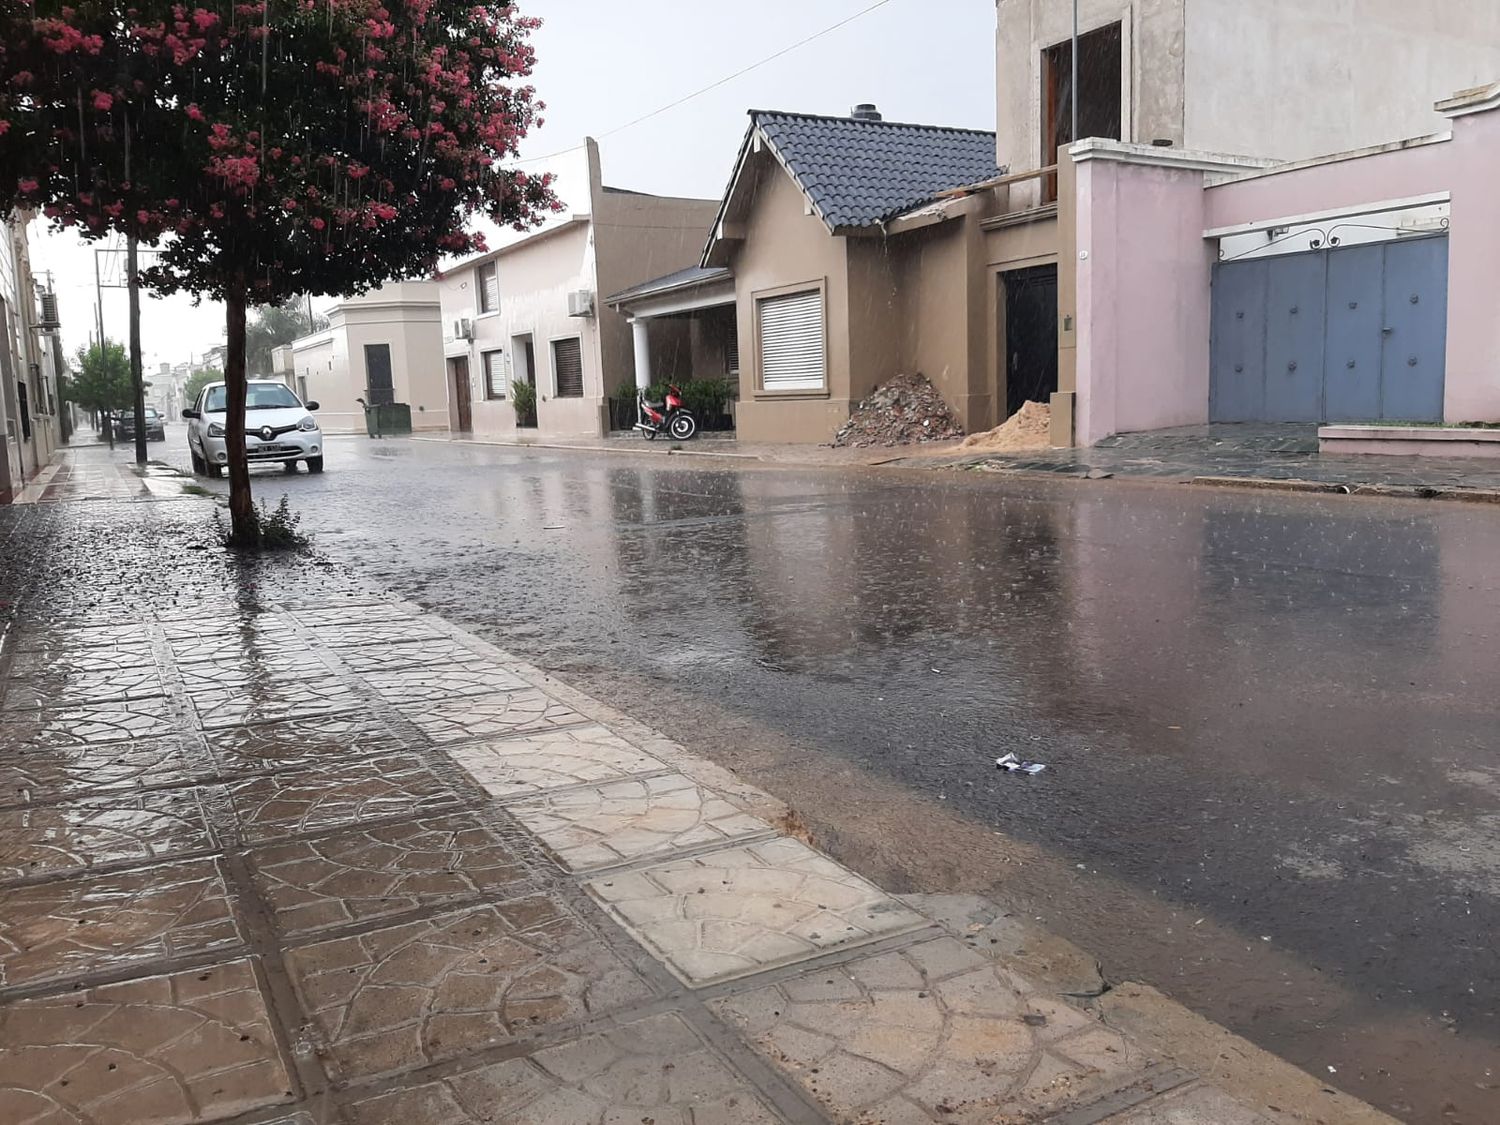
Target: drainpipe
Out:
[642,351]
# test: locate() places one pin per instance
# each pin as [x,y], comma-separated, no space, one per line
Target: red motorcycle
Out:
[671,416]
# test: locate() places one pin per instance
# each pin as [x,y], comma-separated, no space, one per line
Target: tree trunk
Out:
[244,532]
[137,380]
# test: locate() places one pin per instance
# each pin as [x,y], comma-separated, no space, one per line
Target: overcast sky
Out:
[602,63]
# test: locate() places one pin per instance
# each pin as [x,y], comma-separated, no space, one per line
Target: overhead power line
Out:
[715,85]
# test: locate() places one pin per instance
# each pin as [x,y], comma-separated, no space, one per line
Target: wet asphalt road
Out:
[1270,720]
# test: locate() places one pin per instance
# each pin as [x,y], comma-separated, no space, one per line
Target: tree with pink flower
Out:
[269,147]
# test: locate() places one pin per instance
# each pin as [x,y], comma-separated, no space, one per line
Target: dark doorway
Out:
[382,391]
[1099,81]
[1030,332]
[458,373]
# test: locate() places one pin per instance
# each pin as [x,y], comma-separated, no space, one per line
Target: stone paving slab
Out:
[301,743]
[443,682]
[653,1070]
[269,700]
[337,794]
[552,760]
[116,829]
[413,654]
[392,631]
[623,821]
[66,771]
[84,725]
[63,638]
[100,922]
[491,716]
[749,908]
[62,662]
[40,689]
[384,870]
[410,995]
[185,1047]
[935,1032]
[234,675]
[253,643]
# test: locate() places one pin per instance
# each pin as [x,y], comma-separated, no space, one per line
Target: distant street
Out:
[1273,784]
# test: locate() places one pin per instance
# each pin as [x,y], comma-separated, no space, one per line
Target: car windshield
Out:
[259,396]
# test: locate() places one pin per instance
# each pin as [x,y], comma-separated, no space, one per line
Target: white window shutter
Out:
[792,351]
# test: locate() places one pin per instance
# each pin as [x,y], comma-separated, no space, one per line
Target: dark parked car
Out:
[155,426]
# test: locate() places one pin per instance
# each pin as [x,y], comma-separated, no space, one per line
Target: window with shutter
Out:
[732,356]
[488,284]
[567,365]
[792,352]
[494,374]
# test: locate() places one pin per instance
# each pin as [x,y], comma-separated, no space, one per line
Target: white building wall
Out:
[535,278]
[329,366]
[1293,80]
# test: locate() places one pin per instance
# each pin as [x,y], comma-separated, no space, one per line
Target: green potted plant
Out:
[523,399]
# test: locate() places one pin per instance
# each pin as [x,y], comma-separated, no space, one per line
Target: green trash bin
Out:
[391,419]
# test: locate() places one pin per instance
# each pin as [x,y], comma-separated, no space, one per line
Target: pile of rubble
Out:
[905,410]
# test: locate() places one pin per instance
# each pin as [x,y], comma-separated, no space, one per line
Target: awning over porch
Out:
[682,294]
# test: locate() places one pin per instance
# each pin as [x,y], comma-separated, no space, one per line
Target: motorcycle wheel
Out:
[650,434]
[683,426]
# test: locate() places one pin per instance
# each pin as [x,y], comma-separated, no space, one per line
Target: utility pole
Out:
[137,380]
[109,424]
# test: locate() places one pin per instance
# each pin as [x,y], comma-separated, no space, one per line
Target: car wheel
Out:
[197,461]
[315,464]
[215,471]
[290,466]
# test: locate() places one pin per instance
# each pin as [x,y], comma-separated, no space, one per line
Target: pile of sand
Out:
[1028,428]
[907,409]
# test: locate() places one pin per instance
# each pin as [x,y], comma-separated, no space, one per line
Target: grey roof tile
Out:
[859,173]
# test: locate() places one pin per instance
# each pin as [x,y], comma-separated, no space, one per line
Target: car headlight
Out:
[309,423]
[215,430]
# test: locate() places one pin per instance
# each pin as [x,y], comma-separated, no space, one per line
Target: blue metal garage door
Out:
[1352,334]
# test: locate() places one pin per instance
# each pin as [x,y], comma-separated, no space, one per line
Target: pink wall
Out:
[1471,392]
[1399,173]
[1144,286]
[1143,298]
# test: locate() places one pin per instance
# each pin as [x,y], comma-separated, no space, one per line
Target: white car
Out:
[279,426]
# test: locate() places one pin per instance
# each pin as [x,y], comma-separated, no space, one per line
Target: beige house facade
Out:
[30,364]
[531,313]
[384,346]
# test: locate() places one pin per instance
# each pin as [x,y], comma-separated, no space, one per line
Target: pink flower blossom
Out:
[103,102]
[194,112]
[27,186]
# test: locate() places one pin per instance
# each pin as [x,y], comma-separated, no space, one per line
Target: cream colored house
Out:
[384,346]
[530,312]
[30,361]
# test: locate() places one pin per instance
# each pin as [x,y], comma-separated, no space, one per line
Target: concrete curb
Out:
[587,448]
[1336,488]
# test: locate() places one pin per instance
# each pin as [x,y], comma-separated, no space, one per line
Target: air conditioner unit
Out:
[463,329]
[49,311]
[581,302]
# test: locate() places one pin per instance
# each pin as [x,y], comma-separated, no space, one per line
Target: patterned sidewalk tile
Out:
[234,675]
[84,725]
[69,771]
[61,663]
[269,700]
[933,1033]
[336,794]
[168,1050]
[270,643]
[313,743]
[630,820]
[331,616]
[120,828]
[97,922]
[652,1070]
[391,631]
[552,759]
[412,654]
[443,681]
[56,688]
[388,869]
[65,638]
[749,908]
[491,716]
[410,995]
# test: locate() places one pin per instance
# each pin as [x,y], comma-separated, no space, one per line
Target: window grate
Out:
[567,365]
